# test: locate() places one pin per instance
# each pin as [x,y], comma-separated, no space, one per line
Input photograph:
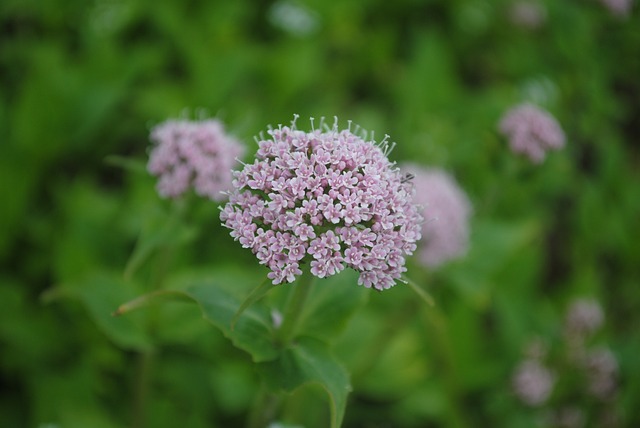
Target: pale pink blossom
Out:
[620,8]
[447,211]
[602,370]
[532,382]
[324,200]
[530,14]
[584,317]
[531,131]
[193,154]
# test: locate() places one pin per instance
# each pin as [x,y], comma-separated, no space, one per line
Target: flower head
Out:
[602,371]
[446,209]
[531,131]
[584,317]
[532,382]
[324,200]
[529,14]
[619,8]
[193,153]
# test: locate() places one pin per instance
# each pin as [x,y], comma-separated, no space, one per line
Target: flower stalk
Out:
[294,308]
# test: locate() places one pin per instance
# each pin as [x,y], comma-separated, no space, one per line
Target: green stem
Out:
[143,376]
[437,324]
[264,409]
[294,308]
[141,389]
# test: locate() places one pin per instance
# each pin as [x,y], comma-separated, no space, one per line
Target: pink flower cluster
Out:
[529,14]
[533,382]
[193,153]
[592,370]
[531,131]
[602,373]
[324,200]
[584,317]
[445,232]
[618,7]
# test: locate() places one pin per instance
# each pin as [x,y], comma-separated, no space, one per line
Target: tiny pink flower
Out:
[446,209]
[531,131]
[336,197]
[197,154]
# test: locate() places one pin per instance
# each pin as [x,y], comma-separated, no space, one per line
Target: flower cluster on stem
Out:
[324,200]
[446,209]
[196,154]
[531,131]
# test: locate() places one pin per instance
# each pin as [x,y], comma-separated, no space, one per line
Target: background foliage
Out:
[84,80]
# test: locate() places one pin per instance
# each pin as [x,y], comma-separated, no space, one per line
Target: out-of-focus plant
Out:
[574,383]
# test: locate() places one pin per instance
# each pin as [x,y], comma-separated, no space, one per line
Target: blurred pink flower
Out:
[529,14]
[568,417]
[532,382]
[196,154]
[584,317]
[602,371]
[324,200]
[618,7]
[446,209]
[531,131]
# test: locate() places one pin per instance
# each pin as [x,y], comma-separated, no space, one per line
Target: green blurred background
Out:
[84,80]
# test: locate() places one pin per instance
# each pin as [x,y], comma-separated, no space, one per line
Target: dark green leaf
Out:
[253,332]
[256,294]
[101,294]
[309,360]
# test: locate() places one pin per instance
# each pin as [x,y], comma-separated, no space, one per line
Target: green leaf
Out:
[331,304]
[253,332]
[100,294]
[309,360]
[256,294]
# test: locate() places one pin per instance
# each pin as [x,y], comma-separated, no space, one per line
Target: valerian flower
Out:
[324,200]
[620,8]
[528,14]
[446,209]
[584,317]
[533,382]
[196,154]
[602,370]
[531,131]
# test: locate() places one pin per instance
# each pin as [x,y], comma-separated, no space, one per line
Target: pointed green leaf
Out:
[103,292]
[309,360]
[256,294]
[252,332]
